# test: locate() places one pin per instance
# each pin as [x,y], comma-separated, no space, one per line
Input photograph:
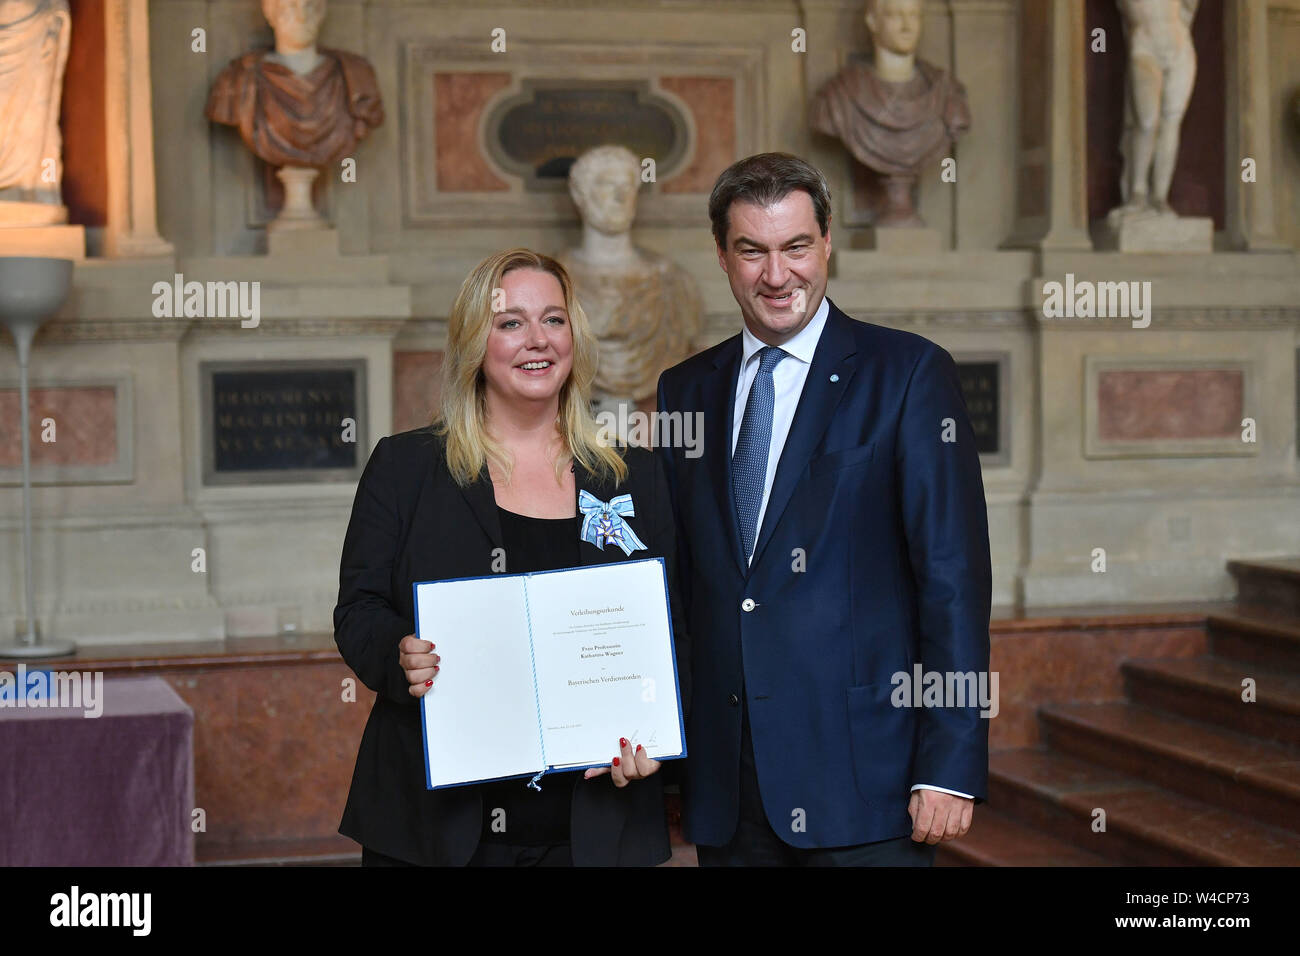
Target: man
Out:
[833,534]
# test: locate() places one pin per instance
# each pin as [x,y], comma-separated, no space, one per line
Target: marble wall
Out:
[1117,438]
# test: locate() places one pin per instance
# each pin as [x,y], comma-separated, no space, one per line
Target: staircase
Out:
[1186,773]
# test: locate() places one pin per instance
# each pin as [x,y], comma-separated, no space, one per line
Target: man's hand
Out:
[938,816]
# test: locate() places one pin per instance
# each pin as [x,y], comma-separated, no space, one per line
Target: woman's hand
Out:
[420,663]
[630,764]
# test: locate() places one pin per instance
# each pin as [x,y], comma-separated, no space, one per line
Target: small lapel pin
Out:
[835,378]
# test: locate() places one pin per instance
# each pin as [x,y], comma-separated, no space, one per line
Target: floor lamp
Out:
[31,290]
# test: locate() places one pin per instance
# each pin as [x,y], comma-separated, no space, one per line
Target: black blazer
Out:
[412,522]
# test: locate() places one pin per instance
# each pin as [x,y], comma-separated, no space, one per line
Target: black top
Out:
[531,818]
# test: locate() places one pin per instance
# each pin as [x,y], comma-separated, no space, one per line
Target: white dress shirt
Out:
[787,381]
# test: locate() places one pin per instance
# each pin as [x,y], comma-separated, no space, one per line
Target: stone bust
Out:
[897,113]
[298,105]
[643,308]
[34,42]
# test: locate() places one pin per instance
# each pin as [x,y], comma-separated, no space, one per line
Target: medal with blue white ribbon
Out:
[603,522]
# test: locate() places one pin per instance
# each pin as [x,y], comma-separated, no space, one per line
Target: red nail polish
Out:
[638,748]
[622,741]
[429,682]
[436,668]
[615,761]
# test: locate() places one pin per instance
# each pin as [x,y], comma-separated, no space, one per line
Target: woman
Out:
[496,474]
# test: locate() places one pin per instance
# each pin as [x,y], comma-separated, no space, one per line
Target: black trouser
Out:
[755,843]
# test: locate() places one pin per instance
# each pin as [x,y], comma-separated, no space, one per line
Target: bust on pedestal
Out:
[643,308]
[896,115]
[298,107]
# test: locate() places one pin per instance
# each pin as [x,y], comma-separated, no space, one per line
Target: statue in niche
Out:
[895,114]
[1161,73]
[643,308]
[34,38]
[298,107]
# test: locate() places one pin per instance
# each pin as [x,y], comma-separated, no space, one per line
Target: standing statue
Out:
[643,308]
[34,38]
[298,107]
[1162,71]
[896,114]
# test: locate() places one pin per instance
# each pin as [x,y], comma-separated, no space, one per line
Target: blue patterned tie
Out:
[749,461]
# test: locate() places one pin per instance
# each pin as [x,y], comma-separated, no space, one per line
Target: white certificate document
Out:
[546,671]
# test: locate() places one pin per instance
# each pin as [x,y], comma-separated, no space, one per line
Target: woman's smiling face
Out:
[530,345]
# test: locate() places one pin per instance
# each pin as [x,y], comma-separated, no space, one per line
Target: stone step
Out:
[1145,825]
[1256,635]
[1210,689]
[1256,779]
[995,839]
[1269,581]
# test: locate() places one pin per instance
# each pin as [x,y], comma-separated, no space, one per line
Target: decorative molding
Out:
[1224,319]
[540,60]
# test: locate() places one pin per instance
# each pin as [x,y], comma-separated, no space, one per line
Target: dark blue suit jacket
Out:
[873,556]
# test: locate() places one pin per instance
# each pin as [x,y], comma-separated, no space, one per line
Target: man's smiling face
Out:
[776,261]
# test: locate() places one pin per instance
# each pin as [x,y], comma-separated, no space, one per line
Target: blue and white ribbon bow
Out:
[604,522]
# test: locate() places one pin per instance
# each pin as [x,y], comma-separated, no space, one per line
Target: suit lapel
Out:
[835,355]
[720,394]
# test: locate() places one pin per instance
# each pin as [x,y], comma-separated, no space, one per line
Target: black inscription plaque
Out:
[267,421]
[981,383]
[539,134]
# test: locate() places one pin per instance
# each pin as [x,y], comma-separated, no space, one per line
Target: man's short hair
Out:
[764,179]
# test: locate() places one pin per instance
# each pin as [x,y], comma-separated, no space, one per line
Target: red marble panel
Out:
[1078,663]
[274,749]
[712,101]
[1149,404]
[85,425]
[458,103]
[416,380]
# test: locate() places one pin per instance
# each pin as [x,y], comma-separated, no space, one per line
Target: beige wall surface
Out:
[115,552]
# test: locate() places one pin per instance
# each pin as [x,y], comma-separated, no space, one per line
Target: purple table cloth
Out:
[113,790]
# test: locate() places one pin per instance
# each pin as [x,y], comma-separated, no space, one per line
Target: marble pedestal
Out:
[54,242]
[1184,234]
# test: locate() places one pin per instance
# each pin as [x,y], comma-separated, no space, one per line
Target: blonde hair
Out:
[462,412]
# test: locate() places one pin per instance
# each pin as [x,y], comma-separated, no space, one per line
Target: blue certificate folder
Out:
[546,671]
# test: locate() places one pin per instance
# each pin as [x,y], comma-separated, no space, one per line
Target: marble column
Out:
[132,227]
[1250,208]
[1052,206]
